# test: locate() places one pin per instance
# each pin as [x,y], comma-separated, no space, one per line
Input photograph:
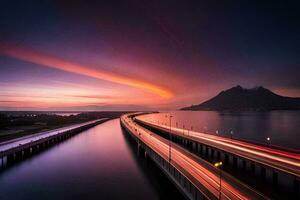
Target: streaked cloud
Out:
[42,59]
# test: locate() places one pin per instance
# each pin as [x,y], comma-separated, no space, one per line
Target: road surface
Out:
[287,162]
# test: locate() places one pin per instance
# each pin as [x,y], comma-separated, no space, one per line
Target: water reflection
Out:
[97,163]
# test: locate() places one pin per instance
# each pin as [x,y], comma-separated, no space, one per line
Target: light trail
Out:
[207,177]
[284,161]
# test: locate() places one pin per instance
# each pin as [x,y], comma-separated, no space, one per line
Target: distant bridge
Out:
[20,148]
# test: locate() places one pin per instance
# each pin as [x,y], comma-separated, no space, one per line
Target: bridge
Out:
[20,148]
[279,167]
[195,177]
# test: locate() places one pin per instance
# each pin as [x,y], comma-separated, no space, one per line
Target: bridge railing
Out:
[225,176]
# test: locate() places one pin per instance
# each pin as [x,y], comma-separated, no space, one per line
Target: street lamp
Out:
[269,141]
[219,165]
[231,134]
[170,137]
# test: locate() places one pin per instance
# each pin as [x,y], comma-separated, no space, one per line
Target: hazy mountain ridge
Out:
[240,99]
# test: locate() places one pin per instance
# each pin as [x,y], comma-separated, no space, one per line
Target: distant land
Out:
[242,99]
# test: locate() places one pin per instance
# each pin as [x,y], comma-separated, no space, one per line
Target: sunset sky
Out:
[141,54]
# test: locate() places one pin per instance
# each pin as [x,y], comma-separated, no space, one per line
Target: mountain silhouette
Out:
[241,99]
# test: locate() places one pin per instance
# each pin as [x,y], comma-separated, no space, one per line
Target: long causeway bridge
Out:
[21,148]
[273,171]
[195,177]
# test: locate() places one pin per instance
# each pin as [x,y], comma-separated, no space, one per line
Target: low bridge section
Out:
[18,149]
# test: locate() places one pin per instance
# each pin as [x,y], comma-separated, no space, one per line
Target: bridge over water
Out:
[196,178]
[20,148]
[278,168]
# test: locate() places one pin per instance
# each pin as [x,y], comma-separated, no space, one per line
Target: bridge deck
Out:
[287,162]
[199,172]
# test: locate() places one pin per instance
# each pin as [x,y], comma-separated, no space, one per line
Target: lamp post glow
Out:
[219,165]
[231,134]
[269,140]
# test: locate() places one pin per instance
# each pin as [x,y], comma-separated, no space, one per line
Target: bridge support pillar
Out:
[252,168]
[10,158]
[275,178]
[32,150]
[226,160]
[26,152]
[199,148]
[207,151]
[263,173]
[212,153]
[203,149]
[194,146]
[244,164]
[235,162]
[43,145]
[296,187]
[18,155]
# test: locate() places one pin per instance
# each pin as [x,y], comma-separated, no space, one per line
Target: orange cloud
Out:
[57,63]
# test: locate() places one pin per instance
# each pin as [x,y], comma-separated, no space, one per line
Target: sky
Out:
[141,54]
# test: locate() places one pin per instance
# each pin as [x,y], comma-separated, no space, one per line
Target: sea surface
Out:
[282,127]
[99,163]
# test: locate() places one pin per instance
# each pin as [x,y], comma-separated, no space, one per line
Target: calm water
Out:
[283,127]
[99,163]
[66,113]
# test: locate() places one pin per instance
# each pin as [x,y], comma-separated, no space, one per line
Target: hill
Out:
[242,99]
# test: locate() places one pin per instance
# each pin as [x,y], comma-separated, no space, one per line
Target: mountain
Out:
[241,99]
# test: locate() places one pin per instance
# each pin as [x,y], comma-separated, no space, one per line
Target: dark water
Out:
[99,163]
[283,127]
